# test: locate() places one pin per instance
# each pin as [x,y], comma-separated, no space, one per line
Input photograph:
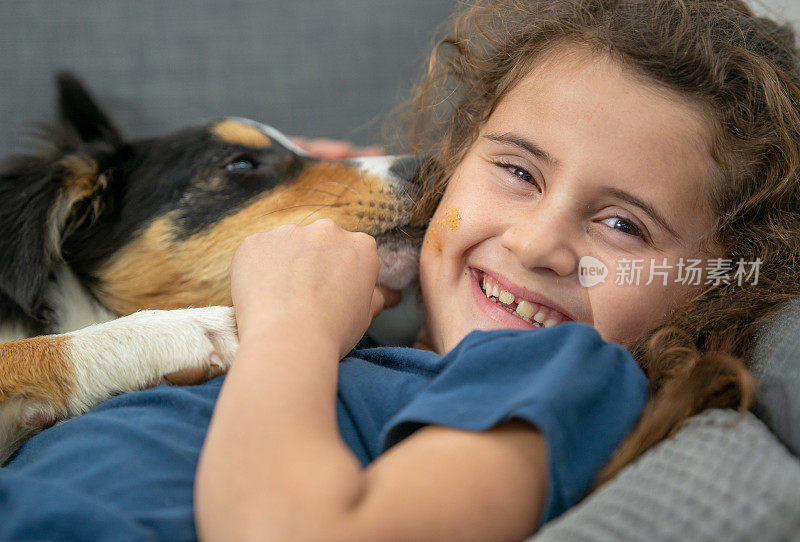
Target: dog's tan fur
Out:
[240,134]
[38,368]
[194,271]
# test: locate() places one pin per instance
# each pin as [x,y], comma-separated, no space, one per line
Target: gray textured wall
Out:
[319,68]
[314,67]
[787,10]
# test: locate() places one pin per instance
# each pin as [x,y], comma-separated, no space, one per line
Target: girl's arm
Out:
[275,468]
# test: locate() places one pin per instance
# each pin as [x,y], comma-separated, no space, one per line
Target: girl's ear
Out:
[79,111]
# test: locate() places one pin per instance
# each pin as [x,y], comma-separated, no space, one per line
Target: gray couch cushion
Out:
[775,362]
[712,481]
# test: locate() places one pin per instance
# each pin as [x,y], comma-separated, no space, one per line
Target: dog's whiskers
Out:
[318,209]
[325,192]
[351,189]
[317,205]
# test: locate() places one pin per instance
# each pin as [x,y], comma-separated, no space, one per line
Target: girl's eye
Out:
[620,224]
[522,174]
[241,163]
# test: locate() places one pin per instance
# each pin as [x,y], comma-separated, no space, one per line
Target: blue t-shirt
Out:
[125,470]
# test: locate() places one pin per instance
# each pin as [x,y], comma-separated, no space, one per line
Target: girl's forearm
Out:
[273,458]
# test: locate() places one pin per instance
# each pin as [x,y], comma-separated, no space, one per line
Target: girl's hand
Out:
[334,149]
[313,281]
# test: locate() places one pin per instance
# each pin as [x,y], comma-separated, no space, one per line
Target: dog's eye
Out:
[241,163]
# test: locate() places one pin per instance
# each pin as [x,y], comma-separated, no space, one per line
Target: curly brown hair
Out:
[739,67]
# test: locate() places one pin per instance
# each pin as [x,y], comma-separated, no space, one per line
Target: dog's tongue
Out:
[398,251]
[399,266]
[391,298]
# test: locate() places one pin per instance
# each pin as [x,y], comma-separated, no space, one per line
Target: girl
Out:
[636,136]
[603,135]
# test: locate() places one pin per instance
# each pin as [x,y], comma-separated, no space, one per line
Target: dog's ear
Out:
[83,175]
[79,111]
[27,190]
[41,203]
[44,199]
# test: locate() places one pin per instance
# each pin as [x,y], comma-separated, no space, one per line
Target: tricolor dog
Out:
[101,239]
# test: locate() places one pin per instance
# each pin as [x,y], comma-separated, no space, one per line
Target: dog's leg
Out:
[50,378]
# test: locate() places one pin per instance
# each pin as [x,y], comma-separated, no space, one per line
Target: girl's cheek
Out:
[626,311]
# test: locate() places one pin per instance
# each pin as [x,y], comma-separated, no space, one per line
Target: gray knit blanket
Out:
[712,481]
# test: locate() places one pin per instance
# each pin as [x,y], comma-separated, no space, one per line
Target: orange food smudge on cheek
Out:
[453,218]
[433,238]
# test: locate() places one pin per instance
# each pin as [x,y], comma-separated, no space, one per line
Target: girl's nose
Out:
[544,239]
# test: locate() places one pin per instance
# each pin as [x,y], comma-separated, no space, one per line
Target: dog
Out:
[115,253]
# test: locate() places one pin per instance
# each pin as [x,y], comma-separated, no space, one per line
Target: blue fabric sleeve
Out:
[582,393]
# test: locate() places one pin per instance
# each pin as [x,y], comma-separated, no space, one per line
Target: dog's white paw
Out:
[93,364]
[184,346]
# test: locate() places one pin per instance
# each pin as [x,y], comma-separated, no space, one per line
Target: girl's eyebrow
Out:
[526,145]
[535,150]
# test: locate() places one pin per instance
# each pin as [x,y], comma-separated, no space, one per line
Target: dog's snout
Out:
[401,173]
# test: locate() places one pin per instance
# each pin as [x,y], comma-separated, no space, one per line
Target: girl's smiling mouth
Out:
[509,306]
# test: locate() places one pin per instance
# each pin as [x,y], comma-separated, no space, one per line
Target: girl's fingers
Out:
[335,149]
[373,150]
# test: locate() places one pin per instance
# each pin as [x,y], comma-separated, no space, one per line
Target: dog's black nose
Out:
[407,168]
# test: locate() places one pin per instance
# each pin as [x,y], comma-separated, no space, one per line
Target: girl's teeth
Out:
[525,309]
[526,319]
[492,289]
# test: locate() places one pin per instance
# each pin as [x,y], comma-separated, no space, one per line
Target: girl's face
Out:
[580,159]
